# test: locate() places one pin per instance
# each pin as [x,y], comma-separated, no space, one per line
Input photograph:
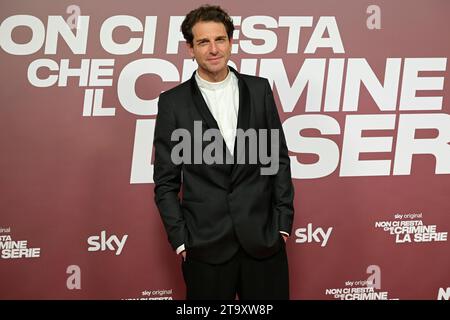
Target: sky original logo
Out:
[102,243]
[410,228]
[369,289]
[16,249]
[309,235]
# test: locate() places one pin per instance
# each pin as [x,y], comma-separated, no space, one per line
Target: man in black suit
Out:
[233,219]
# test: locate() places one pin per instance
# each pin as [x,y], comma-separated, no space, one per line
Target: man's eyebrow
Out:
[202,40]
[206,39]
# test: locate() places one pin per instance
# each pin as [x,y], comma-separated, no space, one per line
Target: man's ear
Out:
[190,49]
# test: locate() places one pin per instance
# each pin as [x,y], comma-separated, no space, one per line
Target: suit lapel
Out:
[201,106]
[242,123]
[244,103]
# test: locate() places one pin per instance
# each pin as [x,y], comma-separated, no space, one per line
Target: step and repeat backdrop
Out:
[362,89]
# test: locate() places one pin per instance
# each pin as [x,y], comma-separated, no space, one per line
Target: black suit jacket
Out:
[221,206]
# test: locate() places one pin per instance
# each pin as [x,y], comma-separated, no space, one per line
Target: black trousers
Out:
[242,276]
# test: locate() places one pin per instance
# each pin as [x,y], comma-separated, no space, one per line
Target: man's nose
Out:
[213,48]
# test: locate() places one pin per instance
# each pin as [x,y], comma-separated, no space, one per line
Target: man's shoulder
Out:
[249,77]
[254,81]
[180,91]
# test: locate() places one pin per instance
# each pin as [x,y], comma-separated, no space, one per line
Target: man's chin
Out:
[217,70]
[216,67]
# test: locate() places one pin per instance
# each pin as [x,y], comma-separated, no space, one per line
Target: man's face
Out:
[212,49]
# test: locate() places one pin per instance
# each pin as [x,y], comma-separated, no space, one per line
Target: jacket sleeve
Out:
[283,190]
[167,175]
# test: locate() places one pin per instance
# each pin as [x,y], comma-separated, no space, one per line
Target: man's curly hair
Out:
[206,13]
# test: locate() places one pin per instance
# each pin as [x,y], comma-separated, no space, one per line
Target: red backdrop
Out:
[362,91]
